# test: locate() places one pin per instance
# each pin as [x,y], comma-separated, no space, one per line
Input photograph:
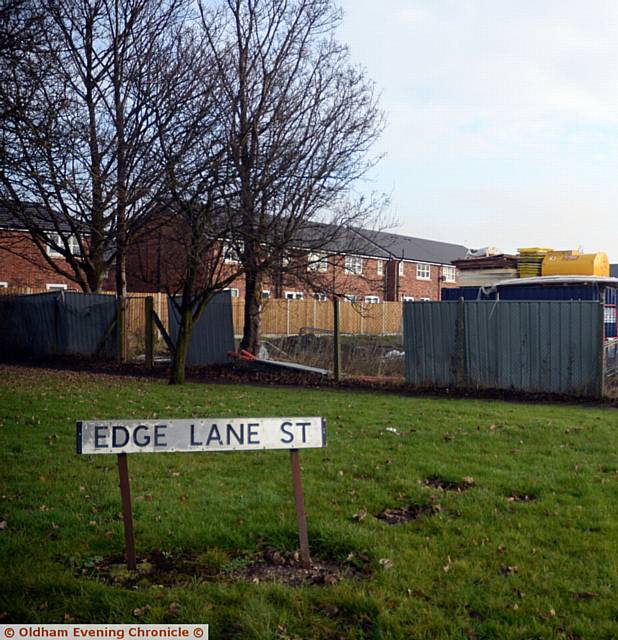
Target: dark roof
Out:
[393,245]
[10,218]
[379,244]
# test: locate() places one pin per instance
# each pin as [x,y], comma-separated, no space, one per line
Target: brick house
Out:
[21,262]
[382,267]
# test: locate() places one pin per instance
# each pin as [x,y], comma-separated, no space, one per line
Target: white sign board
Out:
[199,434]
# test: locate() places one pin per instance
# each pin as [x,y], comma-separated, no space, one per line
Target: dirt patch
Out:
[443,484]
[517,496]
[401,515]
[286,568]
[171,570]
[157,567]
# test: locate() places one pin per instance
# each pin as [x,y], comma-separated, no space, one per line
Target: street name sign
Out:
[200,434]
[122,437]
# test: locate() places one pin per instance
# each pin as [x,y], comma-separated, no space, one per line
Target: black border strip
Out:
[79,437]
[323,432]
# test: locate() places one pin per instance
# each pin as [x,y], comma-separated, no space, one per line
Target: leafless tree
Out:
[185,243]
[299,123]
[78,126]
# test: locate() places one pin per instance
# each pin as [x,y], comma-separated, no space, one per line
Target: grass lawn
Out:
[482,563]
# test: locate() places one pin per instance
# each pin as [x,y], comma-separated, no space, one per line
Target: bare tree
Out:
[299,122]
[194,223]
[77,103]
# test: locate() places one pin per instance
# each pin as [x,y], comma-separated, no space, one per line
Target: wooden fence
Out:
[279,317]
[290,317]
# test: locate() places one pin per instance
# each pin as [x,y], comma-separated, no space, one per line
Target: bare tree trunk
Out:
[251,330]
[182,343]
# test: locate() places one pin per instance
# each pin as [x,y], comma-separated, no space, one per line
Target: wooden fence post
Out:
[149,332]
[121,316]
[336,340]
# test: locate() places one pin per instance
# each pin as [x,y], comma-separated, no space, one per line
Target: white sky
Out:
[502,118]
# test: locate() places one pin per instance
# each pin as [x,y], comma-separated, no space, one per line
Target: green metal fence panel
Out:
[430,330]
[532,346]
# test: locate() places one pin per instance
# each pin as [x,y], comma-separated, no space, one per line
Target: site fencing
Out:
[538,347]
[300,331]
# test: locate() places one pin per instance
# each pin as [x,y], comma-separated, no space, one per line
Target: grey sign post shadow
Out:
[121,437]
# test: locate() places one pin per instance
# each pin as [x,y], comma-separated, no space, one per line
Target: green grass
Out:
[450,575]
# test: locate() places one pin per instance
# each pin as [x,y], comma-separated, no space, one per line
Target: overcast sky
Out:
[502,118]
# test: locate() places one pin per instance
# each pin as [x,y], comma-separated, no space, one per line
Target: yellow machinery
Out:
[572,263]
[530,260]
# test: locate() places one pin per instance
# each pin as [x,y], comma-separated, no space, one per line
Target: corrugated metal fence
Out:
[213,334]
[541,347]
[58,323]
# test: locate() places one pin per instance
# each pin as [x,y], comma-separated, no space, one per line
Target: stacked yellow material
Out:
[530,261]
[572,263]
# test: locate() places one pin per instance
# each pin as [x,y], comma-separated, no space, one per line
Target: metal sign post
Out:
[121,437]
[301,520]
[127,511]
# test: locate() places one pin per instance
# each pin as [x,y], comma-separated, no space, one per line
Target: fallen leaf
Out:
[174,609]
[3,524]
[508,570]
[386,563]
[360,515]
[142,611]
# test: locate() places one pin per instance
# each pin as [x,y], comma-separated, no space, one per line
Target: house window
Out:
[423,271]
[449,274]
[380,267]
[317,262]
[354,265]
[372,299]
[56,239]
[4,285]
[401,268]
[407,298]
[294,295]
[56,287]
[425,299]
[320,297]
[351,298]
[235,293]
[265,294]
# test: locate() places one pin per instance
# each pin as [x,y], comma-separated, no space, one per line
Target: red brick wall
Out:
[22,265]
[152,264]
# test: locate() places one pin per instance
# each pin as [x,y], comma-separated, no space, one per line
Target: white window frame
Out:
[293,295]
[320,297]
[372,299]
[353,265]
[56,238]
[4,285]
[423,271]
[56,286]
[265,294]
[425,299]
[407,298]
[317,262]
[401,268]
[234,291]
[351,298]
[450,273]
[380,267]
